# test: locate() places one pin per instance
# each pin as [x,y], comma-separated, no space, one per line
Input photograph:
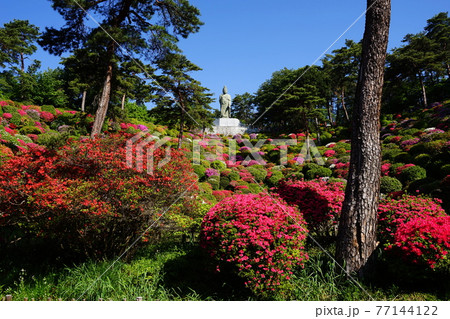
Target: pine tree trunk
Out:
[343,105]
[424,92]
[22,62]
[180,135]
[123,101]
[330,116]
[83,101]
[356,240]
[103,103]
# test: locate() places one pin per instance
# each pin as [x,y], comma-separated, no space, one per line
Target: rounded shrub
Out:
[413,173]
[274,179]
[218,165]
[319,201]
[214,181]
[415,228]
[199,170]
[319,172]
[310,166]
[49,108]
[234,176]
[403,157]
[422,160]
[445,169]
[224,181]
[260,238]
[258,173]
[30,130]
[390,184]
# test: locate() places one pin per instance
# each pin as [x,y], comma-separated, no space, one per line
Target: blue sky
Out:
[244,41]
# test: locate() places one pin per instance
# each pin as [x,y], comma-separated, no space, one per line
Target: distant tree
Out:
[17,43]
[415,61]
[180,99]
[438,30]
[342,67]
[147,29]
[243,107]
[283,100]
[356,240]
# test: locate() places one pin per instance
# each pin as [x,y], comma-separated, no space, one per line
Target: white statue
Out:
[225,103]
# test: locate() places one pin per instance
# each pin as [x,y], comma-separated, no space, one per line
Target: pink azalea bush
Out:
[423,240]
[320,202]
[409,226]
[260,237]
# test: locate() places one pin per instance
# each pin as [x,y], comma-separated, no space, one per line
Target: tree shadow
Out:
[193,273]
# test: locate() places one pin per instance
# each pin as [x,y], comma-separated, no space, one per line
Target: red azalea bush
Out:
[320,202]
[400,228]
[260,237]
[221,194]
[84,196]
[423,240]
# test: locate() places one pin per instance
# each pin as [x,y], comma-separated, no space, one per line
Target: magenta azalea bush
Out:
[260,237]
[320,202]
[415,228]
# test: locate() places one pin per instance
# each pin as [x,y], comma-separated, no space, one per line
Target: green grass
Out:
[183,272]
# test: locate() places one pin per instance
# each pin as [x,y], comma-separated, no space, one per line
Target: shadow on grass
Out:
[193,273]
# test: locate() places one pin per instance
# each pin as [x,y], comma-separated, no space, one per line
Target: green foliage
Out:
[390,184]
[52,139]
[49,108]
[445,170]
[413,173]
[403,157]
[310,166]
[214,181]
[17,40]
[200,171]
[258,173]
[318,172]
[273,180]
[218,165]
[422,160]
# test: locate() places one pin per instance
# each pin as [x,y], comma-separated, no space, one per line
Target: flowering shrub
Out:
[260,237]
[319,202]
[47,116]
[84,197]
[395,214]
[211,172]
[423,240]
[329,153]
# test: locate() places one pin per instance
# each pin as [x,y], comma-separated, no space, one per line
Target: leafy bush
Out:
[274,178]
[403,157]
[30,130]
[5,153]
[395,212]
[423,240]
[259,237]
[390,184]
[199,170]
[319,172]
[49,108]
[258,173]
[218,165]
[52,139]
[214,180]
[422,160]
[445,169]
[84,197]
[319,202]
[413,173]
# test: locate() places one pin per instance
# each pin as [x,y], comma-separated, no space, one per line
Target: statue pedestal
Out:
[227,126]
